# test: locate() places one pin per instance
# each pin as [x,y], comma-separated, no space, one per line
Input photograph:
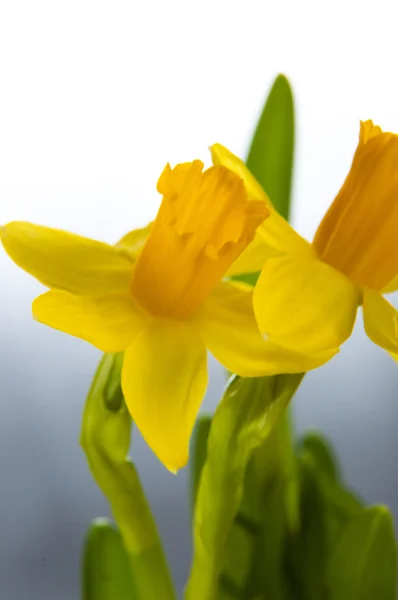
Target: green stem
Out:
[105,438]
[244,419]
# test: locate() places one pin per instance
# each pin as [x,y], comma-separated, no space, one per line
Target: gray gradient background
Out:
[95,98]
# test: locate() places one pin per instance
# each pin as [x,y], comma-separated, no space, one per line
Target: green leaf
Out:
[238,557]
[269,511]
[274,459]
[249,278]
[326,508]
[322,454]
[244,419]
[270,157]
[106,571]
[105,438]
[340,504]
[267,578]
[364,564]
[308,548]
[198,454]
[339,499]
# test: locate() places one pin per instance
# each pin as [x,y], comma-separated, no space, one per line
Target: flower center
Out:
[204,222]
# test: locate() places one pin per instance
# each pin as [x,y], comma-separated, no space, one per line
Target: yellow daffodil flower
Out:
[307,295]
[158,295]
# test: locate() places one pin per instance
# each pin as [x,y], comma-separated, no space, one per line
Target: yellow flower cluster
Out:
[164,294]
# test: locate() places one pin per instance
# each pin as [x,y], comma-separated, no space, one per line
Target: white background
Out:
[95,98]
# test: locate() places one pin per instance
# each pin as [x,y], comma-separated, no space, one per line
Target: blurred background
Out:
[95,98]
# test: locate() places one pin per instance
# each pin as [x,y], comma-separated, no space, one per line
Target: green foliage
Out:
[321,453]
[266,577]
[244,419]
[363,565]
[105,438]
[198,454]
[308,548]
[270,157]
[334,550]
[106,570]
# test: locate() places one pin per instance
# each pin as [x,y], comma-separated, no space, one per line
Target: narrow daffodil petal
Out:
[252,259]
[221,156]
[392,286]
[108,322]
[358,234]
[205,221]
[66,261]
[381,321]
[277,235]
[164,380]
[133,242]
[304,304]
[231,334]
[282,239]
[272,239]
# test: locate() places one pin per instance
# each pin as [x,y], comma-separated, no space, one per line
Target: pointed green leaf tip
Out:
[270,157]
[364,564]
[321,454]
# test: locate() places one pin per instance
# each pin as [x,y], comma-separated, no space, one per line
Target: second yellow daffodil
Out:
[158,295]
[307,295]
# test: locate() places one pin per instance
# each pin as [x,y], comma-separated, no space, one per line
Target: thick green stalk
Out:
[243,421]
[105,438]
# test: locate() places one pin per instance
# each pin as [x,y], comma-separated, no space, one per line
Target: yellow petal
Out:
[277,235]
[232,336]
[221,156]
[282,239]
[304,304]
[108,322]
[358,234]
[392,286]
[205,221]
[252,259]
[380,321]
[164,380]
[272,239]
[133,242]
[65,261]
